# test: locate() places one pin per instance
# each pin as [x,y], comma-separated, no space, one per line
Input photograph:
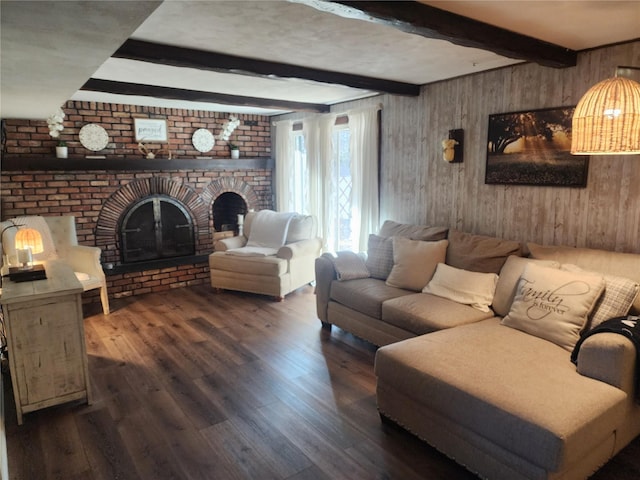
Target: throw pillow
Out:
[349,266]
[606,262]
[553,304]
[300,228]
[414,232]
[469,288]
[269,229]
[414,262]
[479,253]
[380,256]
[508,281]
[619,294]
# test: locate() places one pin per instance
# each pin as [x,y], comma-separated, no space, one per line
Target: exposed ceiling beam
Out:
[219,62]
[124,88]
[431,22]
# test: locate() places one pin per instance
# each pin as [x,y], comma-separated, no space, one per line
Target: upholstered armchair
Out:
[274,256]
[60,241]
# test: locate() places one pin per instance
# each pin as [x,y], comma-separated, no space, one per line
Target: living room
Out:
[416,186]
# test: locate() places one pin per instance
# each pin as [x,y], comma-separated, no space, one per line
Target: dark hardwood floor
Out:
[192,384]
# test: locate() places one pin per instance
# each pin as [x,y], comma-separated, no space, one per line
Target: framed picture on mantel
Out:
[150,130]
[534,148]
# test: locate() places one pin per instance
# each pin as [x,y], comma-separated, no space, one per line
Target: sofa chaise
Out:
[496,390]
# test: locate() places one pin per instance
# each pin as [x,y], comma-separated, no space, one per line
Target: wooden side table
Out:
[45,340]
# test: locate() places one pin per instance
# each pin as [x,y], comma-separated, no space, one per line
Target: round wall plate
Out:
[93,137]
[203,140]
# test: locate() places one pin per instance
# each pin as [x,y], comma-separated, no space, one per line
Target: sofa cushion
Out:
[469,288]
[301,227]
[616,300]
[414,262]
[601,261]
[364,295]
[349,266]
[380,247]
[516,390]
[269,229]
[422,313]
[508,281]
[379,256]
[554,304]
[270,266]
[413,232]
[479,253]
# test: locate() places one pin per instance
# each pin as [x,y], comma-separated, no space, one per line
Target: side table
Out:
[45,339]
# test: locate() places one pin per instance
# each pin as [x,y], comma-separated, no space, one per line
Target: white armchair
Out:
[84,260]
[267,259]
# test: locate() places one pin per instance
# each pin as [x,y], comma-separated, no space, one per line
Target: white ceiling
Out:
[50,49]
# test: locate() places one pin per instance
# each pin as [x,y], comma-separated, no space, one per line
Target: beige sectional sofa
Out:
[497,393]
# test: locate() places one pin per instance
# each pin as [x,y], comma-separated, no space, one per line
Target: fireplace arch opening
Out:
[156,227]
[226,208]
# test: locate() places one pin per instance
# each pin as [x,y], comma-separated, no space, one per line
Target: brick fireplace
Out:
[101,192]
[99,198]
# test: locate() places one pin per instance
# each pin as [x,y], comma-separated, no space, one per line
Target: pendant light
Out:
[606,120]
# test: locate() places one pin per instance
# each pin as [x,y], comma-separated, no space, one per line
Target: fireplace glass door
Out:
[154,228]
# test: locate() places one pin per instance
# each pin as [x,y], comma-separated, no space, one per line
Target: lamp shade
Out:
[606,120]
[29,238]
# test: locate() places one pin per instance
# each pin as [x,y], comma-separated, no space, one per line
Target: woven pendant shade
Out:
[606,120]
[29,238]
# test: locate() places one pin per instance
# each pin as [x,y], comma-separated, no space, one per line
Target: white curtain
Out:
[317,133]
[323,188]
[284,165]
[363,126]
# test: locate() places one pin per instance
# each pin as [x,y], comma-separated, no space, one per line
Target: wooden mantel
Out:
[21,164]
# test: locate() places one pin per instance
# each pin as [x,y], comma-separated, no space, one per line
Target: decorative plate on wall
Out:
[203,140]
[93,137]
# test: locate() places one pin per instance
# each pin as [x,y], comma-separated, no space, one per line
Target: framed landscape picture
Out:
[534,148]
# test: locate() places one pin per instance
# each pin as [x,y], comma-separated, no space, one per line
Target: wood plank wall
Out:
[418,186]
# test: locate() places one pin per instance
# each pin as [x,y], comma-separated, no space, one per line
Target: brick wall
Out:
[31,137]
[82,193]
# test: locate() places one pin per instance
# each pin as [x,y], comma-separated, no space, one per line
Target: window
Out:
[300,175]
[327,166]
[341,174]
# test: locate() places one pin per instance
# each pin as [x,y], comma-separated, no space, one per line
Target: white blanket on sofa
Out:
[268,233]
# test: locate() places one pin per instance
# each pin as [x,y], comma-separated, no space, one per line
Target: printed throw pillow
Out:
[619,294]
[380,256]
[508,281]
[463,286]
[554,304]
[414,262]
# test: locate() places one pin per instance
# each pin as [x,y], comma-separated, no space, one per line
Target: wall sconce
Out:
[606,120]
[452,147]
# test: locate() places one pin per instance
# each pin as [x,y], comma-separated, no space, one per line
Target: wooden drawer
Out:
[48,350]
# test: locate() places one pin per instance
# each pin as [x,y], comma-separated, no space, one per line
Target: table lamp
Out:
[28,242]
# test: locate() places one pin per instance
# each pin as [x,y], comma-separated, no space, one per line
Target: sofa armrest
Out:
[325,274]
[82,258]
[310,246]
[225,244]
[610,358]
